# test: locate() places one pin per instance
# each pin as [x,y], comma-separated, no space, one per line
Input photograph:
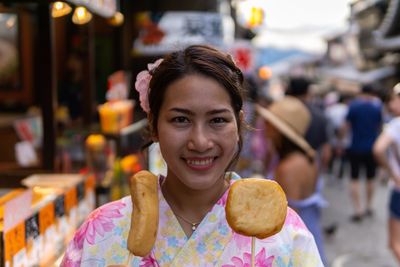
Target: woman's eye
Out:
[218,120]
[180,120]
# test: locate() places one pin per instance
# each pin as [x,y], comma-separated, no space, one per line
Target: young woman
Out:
[387,153]
[193,99]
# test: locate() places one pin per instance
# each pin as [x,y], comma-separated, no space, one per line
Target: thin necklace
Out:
[194,225]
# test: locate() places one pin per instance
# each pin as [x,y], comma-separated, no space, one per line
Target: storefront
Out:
[55,74]
[53,62]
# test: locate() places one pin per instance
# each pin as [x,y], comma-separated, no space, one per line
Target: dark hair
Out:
[298,86]
[368,89]
[197,59]
[287,146]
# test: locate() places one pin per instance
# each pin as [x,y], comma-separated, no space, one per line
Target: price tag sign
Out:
[14,241]
[89,183]
[46,217]
[17,209]
[70,200]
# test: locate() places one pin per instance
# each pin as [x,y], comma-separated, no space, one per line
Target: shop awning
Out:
[387,36]
[350,73]
[388,43]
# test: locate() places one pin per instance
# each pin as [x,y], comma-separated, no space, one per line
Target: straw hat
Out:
[292,118]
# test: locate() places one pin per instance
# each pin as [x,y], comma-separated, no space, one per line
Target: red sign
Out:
[243,55]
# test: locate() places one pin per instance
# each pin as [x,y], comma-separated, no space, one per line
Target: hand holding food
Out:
[256,207]
[144,221]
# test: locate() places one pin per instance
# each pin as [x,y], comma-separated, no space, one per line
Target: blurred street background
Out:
[67,103]
[364,244]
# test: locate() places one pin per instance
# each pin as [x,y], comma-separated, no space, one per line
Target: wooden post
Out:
[89,86]
[47,82]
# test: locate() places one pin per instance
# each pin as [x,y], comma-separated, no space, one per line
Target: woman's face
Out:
[197,131]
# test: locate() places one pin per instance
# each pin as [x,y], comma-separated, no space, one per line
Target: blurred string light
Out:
[250,13]
[118,18]
[60,9]
[81,15]
[264,73]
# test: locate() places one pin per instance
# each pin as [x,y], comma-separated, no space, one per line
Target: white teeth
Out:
[200,162]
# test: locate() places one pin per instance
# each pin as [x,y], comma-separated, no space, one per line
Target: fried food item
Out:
[144,221]
[256,207]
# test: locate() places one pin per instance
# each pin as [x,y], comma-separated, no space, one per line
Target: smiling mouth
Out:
[200,163]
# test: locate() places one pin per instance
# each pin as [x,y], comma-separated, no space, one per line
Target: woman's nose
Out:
[199,139]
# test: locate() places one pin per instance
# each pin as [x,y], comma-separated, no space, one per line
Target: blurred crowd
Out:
[299,138]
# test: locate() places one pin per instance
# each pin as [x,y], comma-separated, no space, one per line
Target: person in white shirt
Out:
[387,153]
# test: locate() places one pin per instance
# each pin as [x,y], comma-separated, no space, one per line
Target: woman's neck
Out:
[192,204]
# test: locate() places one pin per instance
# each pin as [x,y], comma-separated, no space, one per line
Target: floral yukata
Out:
[102,241]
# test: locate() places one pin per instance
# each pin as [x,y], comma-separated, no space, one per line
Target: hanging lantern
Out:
[60,9]
[81,15]
[117,19]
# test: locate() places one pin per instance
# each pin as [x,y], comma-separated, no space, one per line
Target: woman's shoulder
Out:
[103,228]
[299,240]
[294,222]
[120,204]
[103,220]
[295,163]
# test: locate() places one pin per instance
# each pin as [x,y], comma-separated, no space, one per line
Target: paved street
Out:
[356,244]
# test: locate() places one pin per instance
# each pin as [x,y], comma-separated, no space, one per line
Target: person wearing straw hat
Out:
[386,150]
[287,121]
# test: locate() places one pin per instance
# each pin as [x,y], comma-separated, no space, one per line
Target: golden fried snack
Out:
[256,207]
[144,221]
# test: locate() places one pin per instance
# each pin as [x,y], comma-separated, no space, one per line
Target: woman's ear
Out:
[154,138]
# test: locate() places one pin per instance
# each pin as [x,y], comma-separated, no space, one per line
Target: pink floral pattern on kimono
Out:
[149,261]
[99,222]
[294,220]
[241,240]
[260,260]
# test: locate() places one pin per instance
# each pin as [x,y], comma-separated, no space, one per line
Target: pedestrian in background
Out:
[364,121]
[287,121]
[387,153]
[317,133]
[336,109]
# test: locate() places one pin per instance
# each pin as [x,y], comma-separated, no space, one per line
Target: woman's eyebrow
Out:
[218,111]
[182,110]
[189,112]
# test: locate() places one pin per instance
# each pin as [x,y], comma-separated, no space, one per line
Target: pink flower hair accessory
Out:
[143,82]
